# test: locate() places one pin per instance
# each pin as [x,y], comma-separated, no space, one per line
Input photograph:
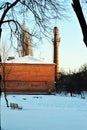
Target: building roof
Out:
[28,60]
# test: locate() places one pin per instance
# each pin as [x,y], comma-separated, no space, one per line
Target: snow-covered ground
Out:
[44,112]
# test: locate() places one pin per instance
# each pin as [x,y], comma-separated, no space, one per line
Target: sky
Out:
[72,50]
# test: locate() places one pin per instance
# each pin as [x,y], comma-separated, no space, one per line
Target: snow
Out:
[28,60]
[44,112]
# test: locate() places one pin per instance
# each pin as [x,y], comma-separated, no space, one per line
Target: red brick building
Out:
[27,74]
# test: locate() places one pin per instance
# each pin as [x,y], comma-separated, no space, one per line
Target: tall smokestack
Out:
[0,59]
[56,53]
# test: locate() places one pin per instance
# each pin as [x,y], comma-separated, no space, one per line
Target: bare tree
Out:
[78,10]
[4,52]
[38,11]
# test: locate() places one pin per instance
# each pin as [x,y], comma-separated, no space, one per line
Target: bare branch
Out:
[9,6]
[40,11]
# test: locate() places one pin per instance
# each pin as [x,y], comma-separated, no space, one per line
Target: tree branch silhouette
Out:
[78,10]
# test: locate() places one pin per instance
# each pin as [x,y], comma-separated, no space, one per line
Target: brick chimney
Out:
[0,59]
[56,52]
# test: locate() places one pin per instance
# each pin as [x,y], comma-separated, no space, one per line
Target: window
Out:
[20,84]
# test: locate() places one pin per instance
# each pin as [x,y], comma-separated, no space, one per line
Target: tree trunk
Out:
[4,87]
[78,10]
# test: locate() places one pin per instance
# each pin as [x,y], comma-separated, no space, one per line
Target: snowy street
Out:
[44,112]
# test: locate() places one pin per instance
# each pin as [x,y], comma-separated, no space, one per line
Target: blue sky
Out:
[72,50]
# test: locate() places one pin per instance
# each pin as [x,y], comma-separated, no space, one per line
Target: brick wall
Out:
[29,77]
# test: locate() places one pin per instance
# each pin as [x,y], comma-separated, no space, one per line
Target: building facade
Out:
[29,77]
[27,74]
